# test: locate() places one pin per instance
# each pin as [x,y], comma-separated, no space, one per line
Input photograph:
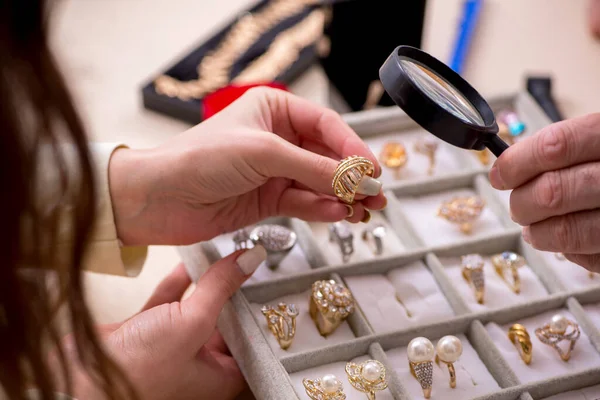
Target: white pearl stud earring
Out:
[367,377]
[448,350]
[420,353]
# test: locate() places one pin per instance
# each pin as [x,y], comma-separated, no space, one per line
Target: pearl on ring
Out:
[449,349]
[371,371]
[331,384]
[558,324]
[420,350]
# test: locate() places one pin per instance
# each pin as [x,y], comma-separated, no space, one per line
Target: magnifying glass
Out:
[440,101]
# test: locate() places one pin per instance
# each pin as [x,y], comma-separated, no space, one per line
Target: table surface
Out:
[110,48]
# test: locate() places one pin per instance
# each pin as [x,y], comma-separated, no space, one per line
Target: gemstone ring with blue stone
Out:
[509,261]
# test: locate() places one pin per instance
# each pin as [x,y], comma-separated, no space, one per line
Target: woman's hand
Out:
[555,175]
[171,349]
[268,154]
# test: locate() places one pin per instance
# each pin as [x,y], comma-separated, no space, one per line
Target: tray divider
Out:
[485,190]
[400,223]
[307,241]
[253,354]
[540,267]
[491,356]
[456,301]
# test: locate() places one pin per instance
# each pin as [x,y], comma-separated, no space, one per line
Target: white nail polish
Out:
[251,259]
[369,186]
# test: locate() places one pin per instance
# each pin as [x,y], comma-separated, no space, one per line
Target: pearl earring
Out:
[420,353]
[449,349]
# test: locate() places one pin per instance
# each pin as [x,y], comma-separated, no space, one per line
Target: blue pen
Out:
[468,23]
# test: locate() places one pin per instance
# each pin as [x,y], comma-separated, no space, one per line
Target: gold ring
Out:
[330,304]
[329,387]
[472,272]
[428,148]
[393,156]
[512,261]
[448,350]
[519,337]
[282,322]
[420,360]
[463,211]
[367,377]
[558,329]
[353,175]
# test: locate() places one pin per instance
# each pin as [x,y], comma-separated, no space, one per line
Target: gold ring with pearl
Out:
[557,330]
[367,377]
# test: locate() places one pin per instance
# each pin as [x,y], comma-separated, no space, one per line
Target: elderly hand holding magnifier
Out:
[554,174]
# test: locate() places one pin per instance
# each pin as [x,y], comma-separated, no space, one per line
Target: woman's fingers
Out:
[170,289]
[287,112]
[560,145]
[557,193]
[201,310]
[281,158]
[575,233]
[591,262]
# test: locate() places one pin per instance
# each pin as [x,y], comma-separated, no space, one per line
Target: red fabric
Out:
[218,100]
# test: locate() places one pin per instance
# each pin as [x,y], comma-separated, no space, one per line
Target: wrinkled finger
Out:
[310,206]
[201,310]
[557,146]
[170,289]
[591,262]
[557,193]
[572,233]
[289,112]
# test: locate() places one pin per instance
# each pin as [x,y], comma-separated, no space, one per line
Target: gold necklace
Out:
[214,69]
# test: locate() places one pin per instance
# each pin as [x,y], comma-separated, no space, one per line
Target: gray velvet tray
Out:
[268,371]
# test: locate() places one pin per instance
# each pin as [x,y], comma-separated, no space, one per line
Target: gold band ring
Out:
[519,337]
[349,175]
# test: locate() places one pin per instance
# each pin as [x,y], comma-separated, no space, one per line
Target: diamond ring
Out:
[277,240]
[282,322]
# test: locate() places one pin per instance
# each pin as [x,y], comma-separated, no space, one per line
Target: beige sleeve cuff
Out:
[105,253]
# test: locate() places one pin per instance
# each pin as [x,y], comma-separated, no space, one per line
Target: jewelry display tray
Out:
[185,69]
[268,372]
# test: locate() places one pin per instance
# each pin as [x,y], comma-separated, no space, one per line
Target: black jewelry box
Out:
[185,69]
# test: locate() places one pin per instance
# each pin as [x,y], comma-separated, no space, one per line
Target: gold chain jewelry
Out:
[213,70]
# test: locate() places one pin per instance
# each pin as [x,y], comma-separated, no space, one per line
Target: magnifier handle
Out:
[497,145]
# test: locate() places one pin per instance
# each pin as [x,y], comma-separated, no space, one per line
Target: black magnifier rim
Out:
[426,112]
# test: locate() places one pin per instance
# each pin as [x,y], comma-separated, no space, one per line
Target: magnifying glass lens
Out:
[441,92]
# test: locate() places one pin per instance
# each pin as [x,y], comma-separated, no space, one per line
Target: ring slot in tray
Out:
[268,370]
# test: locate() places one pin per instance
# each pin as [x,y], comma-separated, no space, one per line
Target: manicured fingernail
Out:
[350,210]
[251,259]
[369,186]
[527,235]
[367,217]
[495,177]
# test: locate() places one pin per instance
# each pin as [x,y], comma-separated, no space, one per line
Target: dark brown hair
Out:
[37,123]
